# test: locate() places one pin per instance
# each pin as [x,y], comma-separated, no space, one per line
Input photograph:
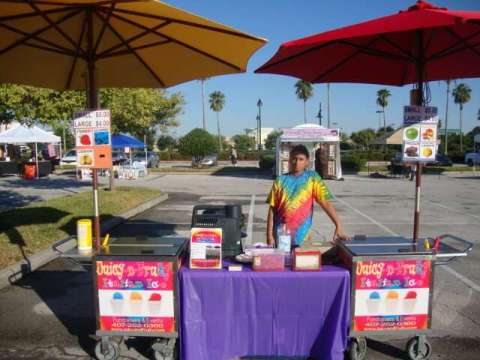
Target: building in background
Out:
[252,132]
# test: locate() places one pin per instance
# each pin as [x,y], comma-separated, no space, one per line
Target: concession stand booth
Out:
[323,145]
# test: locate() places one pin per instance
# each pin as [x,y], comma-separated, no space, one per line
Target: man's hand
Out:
[270,240]
[340,234]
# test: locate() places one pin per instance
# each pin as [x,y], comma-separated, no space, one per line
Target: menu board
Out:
[392,295]
[135,296]
[420,133]
[206,248]
[93,139]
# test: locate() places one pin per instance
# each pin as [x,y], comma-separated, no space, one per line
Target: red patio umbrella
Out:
[422,43]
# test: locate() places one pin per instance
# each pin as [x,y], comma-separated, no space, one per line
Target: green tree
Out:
[166,142]
[136,111]
[363,138]
[197,144]
[271,140]
[304,91]
[244,143]
[461,95]
[217,102]
[382,101]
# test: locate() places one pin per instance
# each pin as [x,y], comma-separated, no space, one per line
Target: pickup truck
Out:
[472,158]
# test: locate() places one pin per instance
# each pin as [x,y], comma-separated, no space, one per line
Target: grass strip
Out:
[26,230]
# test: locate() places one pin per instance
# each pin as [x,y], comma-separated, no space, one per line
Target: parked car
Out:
[153,160]
[206,161]
[119,158]
[472,158]
[70,158]
[441,160]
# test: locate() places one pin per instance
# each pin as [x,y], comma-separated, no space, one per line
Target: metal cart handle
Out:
[468,246]
[55,247]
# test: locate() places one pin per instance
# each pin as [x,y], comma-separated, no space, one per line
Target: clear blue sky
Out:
[352,105]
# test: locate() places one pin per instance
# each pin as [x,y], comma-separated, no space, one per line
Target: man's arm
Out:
[270,237]
[332,214]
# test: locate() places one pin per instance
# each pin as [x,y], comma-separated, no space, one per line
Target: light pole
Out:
[328,105]
[259,104]
[204,119]
[319,115]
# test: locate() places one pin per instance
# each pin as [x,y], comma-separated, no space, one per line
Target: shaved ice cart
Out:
[392,282]
[136,293]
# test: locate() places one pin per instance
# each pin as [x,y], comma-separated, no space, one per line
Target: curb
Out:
[15,272]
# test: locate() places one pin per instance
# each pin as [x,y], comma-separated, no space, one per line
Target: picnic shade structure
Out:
[423,43]
[71,44]
[123,141]
[26,135]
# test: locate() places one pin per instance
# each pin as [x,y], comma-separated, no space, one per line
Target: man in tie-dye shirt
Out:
[291,200]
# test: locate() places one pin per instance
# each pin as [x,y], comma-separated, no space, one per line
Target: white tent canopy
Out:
[22,134]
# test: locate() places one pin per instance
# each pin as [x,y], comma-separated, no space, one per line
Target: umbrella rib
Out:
[455,48]
[407,53]
[189,23]
[108,52]
[344,61]
[39,39]
[180,43]
[139,58]
[77,53]
[38,32]
[31,14]
[126,52]
[46,48]
[48,20]
[374,52]
[104,27]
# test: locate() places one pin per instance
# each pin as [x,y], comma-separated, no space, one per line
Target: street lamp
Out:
[259,118]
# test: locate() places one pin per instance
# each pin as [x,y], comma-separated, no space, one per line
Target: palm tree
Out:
[217,101]
[304,91]
[461,95]
[382,101]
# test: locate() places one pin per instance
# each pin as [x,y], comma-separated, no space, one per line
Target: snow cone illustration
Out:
[391,302]
[154,303]
[135,303]
[373,302]
[409,302]
[117,302]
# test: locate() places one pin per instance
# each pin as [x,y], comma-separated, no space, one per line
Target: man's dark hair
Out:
[300,149]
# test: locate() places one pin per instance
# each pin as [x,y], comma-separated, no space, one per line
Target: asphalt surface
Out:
[48,315]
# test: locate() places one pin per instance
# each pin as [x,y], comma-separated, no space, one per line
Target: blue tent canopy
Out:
[121,141]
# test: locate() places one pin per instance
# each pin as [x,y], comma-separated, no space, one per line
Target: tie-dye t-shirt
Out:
[292,197]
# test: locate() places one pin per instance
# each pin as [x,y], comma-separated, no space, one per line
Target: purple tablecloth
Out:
[230,314]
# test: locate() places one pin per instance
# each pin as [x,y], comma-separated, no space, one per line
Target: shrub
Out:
[267,161]
[353,163]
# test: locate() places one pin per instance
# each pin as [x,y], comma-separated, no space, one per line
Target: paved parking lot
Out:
[49,314]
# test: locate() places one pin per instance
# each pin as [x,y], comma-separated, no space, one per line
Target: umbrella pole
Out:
[36,159]
[419,100]
[92,105]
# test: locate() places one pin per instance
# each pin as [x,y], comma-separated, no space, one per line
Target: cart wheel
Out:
[111,350]
[357,349]
[418,350]
[164,349]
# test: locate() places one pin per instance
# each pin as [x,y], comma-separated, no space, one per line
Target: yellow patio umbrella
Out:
[87,44]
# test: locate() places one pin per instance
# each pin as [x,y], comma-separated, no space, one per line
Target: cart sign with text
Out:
[93,139]
[420,133]
[206,248]
[135,296]
[320,134]
[392,295]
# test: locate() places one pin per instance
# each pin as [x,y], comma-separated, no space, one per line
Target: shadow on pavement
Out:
[12,199]
[244,172]
[386,349]
[69,296]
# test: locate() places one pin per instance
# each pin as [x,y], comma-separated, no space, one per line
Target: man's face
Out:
[298,163]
